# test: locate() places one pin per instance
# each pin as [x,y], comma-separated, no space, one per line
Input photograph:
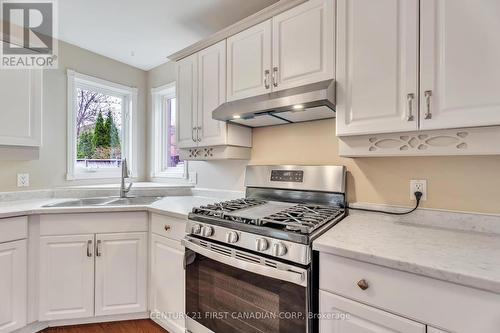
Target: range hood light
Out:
[298,107]
[236,116]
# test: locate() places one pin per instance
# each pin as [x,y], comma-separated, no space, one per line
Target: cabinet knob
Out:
[363,284]
[167,227]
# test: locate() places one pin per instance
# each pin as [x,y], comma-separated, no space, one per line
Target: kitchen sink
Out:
[107,201]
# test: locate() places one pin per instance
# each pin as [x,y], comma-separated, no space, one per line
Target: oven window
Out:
[226,299]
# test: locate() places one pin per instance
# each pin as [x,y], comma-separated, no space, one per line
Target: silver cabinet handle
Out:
[98,249]
[410,98]
[198,136]
[192,134]
[89,251]
[275,76]
[428,95]
[266,79]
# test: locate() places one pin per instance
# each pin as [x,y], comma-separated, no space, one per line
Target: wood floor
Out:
[139,326]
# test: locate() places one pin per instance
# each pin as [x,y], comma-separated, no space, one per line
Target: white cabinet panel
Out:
[187,94]
[121,273]
[303,44]
[13,285]
[211,93]
[167,283]
[66,277]
[248,59]
[377,67]
[434,330]
[341,315]
[460,63]
[21,107]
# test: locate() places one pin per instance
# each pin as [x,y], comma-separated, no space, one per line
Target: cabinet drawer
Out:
[13,228]
[167,226]
[441,304]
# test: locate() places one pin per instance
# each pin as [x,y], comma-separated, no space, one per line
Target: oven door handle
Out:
[286,272]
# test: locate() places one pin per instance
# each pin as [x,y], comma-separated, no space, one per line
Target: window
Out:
[101,115]
[166,160]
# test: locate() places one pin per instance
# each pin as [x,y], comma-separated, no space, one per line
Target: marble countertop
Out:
[460,256]
[176,206]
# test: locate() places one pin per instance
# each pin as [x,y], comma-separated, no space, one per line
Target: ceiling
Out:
[144,33]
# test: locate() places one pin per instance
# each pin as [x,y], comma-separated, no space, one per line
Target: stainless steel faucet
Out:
[125,174]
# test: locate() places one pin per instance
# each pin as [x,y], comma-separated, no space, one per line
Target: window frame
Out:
[129,125]
[160,134]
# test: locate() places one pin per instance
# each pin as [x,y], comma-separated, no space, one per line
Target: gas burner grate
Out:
[220,208]
[302,218]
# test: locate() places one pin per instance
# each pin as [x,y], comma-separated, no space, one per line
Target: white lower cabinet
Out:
[341,315]
[121,273]
[69,265]
[13,285]
[167,283]
[66,277]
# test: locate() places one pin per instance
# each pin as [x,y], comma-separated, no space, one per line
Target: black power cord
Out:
[418,196]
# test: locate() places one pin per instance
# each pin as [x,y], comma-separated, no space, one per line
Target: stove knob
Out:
[196,229]
[261,244]
[231,237]
[279,249]
[207,231]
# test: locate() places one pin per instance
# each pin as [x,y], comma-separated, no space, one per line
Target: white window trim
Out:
[129,126]
[159,135]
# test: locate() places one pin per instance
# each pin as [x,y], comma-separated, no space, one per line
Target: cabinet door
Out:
[341,315]
[21,110]
[377,48]
[13,286]
[121,273]
[66,277]
[460,63]
[211,93]
[187,100]
[303,44]
[167,283]
[249,62]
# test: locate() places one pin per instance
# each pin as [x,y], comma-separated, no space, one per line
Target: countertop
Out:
[464,257]
[176,206]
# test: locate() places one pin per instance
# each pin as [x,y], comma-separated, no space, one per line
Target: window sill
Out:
[94,175]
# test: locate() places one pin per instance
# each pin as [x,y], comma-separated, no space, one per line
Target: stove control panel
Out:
[284,249]
[296,176]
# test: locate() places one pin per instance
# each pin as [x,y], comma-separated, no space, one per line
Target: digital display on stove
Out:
[296,176]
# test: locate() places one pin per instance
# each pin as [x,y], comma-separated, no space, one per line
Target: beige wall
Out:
[468,183]
[48,169]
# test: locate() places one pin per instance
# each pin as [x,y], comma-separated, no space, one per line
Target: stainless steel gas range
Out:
[249,262]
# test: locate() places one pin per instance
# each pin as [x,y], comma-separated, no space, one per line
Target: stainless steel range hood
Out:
[309,102]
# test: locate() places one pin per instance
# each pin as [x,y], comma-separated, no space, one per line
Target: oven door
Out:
[234,291]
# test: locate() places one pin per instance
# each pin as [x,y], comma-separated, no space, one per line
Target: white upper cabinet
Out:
[377,66]
[187,103]
[460,63]
[121,273]
[66,277]
[249,62]
[303,44]
[13,285]
[211,94]
[21,110]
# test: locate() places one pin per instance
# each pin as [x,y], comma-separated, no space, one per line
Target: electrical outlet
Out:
[418,186]
[23,179]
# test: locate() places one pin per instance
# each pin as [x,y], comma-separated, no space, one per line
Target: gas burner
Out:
[220,208]
[302,218]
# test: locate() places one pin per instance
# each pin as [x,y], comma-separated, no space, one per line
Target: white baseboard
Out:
[38,326]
